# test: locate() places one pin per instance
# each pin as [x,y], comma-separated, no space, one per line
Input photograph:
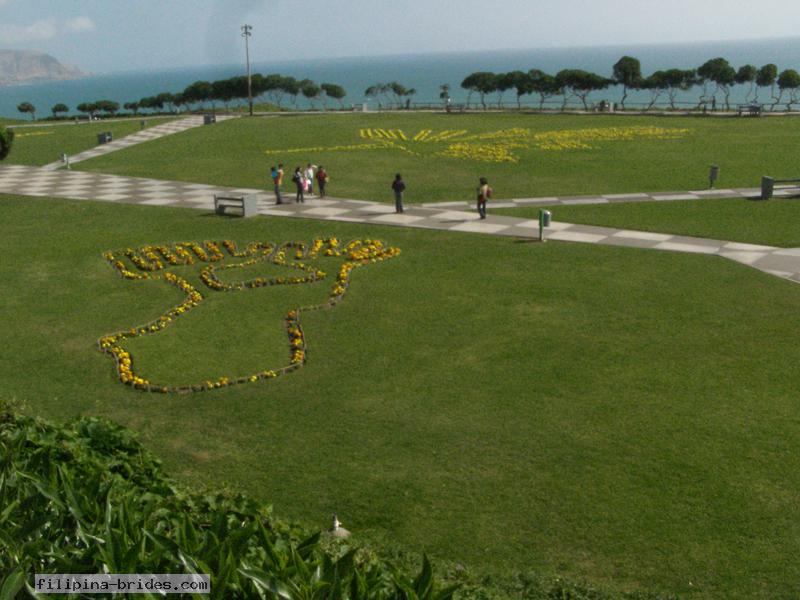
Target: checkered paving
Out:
[146,135]
[34,181]
[616,198]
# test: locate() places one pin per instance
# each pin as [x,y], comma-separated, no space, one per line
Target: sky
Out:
[102,36]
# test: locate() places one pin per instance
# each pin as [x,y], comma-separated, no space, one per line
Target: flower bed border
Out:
[149,260]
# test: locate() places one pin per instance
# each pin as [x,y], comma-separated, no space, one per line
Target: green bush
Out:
[86,497]
[6,139]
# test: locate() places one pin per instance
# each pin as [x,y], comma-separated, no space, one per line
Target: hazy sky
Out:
[118,35]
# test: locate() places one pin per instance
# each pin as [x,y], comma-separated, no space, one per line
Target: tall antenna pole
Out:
[246,33]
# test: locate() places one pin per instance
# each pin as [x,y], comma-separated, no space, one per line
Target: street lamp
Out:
[246,33]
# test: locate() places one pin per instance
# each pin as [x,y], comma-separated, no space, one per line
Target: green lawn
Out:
[775,222]
[233,153]
[622,417]
[41,144]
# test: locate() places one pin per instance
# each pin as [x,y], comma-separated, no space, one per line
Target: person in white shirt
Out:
[309,173]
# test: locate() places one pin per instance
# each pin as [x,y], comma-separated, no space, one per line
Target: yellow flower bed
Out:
[483,152]
[150,262]
[494,146]
[33,133]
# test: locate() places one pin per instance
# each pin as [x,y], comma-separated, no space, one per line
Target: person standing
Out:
[299,180]
[399,186]
[322,179]
[277,179]
[310,177]
[484,193]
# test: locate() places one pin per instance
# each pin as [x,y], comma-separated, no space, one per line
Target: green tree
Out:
[178,100]
[310,90]
[377,91]
[198,92]
[151,102]
[543,84]
[90,108]
[502,83]
[628,74]
[292,87]
[656,84]
[789,81]
[107,106]
[576,82]
[334,91]
[675,81]
[523,85]
[168,99]
[59,108]
[482,82]
[223,90]
[720,72]
[6,140]
[747,74]
[132,106]
[27,107]
[272,87]
[767,76]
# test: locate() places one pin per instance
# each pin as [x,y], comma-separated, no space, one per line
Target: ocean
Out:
[424,72]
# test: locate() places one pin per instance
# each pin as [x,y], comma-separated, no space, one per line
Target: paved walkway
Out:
[617,198]
[34,181]
[151,133]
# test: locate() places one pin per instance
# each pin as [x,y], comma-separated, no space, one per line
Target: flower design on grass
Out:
[158,262]
[495,146]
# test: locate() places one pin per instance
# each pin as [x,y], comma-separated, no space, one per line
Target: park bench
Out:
[749,110]
[768,186]
[247,203]
[450,108]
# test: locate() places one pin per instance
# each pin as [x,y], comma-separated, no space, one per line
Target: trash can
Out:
[767,187]
[713,175]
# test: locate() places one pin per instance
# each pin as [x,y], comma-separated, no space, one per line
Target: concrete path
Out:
[145,135]
[617,198]
[79,185]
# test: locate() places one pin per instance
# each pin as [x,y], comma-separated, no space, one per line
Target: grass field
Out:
[627,418]
[44,143]
[555,154]
[774,223]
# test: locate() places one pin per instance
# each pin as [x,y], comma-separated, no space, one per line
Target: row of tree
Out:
[627,72]
[276,88]
[714,77]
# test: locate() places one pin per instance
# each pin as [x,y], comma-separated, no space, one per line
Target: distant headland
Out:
[31,66]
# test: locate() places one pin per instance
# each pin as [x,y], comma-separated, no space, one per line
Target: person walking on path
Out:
[299,181]
[484,193]
[399,186]
[277,179]
[310,177]
[322,179]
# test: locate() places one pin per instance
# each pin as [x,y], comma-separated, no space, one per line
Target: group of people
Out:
[303,180]
[304,183]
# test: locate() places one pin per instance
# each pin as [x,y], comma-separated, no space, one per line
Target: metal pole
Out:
[246,33]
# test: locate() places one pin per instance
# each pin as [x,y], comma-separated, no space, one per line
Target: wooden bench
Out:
[768,186]
[749,110]
[450,108]
[247,203]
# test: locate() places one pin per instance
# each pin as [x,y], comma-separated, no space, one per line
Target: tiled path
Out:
[616,198]
[33,181]
[151,133]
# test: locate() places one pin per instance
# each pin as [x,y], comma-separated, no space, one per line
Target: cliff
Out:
[29,66]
